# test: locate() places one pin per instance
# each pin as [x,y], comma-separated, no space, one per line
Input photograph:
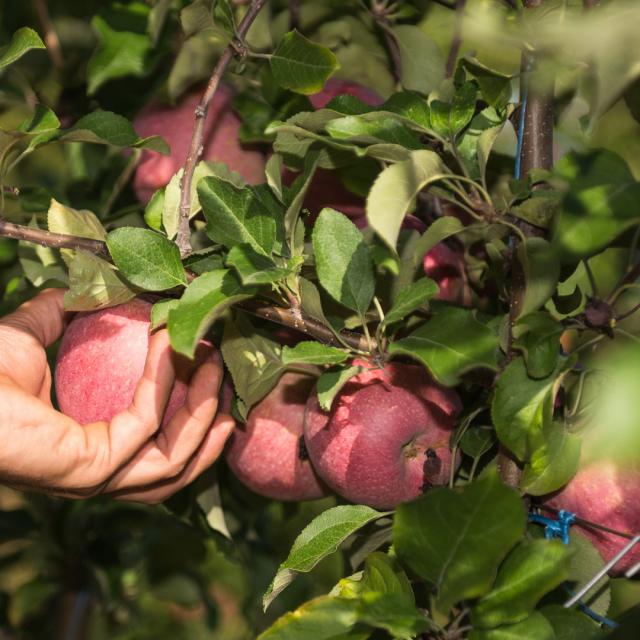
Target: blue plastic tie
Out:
[559,528]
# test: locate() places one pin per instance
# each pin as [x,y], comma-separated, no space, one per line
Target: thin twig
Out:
[51,39]
[627,314]
[49,239]
[445,3]
[456,43]
[379,11]
[236,48]
[122,180]
[294,14]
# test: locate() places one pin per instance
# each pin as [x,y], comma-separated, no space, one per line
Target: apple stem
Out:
[235,49]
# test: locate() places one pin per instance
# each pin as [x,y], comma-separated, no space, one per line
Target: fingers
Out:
[111,445]
[175,444]
[43,316]
[210,450]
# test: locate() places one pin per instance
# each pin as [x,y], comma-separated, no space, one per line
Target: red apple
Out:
[447,268]
[337,87]
[266,453]
[606,493]
[386,438]
[101,360]
[175,124]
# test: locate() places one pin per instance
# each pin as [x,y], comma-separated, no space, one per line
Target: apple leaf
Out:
[393,613]
[202,303]
[372,128]
[254,361]
[411,299]
[119,53]
[531,570]
[535,627]
[331,382]
[457,538]
[395,190]
[553,463]
[146,259]
[310,352]
[317,540]
[452,343]
[236,215]
[450,118]
[94,283]
[324,618]
[160,312]
[105,127]
[522,407]
[571,624]
[302,66]
[22,41]
[540,343]
[541,268]
[422,63]
[253,267]
[343,261]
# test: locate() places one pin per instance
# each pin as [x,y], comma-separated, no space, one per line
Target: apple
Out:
[267,454]
[447,268]
[606,493]
[386,438]
[175,125]
[101,360]
[337,87]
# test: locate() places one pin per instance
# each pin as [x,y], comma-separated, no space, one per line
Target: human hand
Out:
[129,457]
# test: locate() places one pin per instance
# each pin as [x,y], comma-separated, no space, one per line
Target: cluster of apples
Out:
[386,437]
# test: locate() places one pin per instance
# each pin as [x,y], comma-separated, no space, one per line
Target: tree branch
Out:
[51,39]
[290,318]
[49,239]
[456,43]
[294,14]
[235,48]
[379,10]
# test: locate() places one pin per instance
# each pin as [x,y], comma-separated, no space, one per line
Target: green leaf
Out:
[477,141]
[331,382]
[540,208]
[553,463]
[410,105]
[160,312]
[301,65]
[146,258]
[153,210]
[599,205]
[522,407]
[393,613]
[538,337]
[323,618]
[22,41]
[395,190]
[313,353]
[253,360]
[119,54]
[317,540]
[570,624]
[94,284]
[541,271]
[171,206]
[449,119]
[457,538]
[531,570]
[422,63]
[343,261]
[202,303]
[236,216]
[477,441]
[383,574]
[411,299]
[494,85]
[253,267]
[373,128]
[105,127]
[535,627]
[452,343]
[223,16]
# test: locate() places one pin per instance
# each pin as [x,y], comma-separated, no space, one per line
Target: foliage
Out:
[549,269]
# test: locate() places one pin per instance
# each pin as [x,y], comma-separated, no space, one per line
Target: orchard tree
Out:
[410,230]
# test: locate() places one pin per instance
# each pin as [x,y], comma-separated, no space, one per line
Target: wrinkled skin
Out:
[608,494]
[386,438]
[265,452]
[175,125]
